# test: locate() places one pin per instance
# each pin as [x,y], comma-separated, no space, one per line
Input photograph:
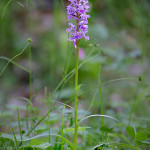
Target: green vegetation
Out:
[38,67]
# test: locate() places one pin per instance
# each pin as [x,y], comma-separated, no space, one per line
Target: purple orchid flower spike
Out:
[77,10]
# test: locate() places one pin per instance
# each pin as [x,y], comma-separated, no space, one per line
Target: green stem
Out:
[30,82]
[49,136]
[49,107]
[30,71]
[19,124]
[76,97]
[62,128]
[30,60]
[76,88]
[101,102]
[27,123]
[16,142]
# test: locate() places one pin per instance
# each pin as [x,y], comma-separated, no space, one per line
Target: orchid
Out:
[77,10]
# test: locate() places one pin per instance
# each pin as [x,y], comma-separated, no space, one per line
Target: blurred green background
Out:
[119,36]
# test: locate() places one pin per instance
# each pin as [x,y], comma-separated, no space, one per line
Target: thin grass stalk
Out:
[3,11]
[64,80]
[30,82]
[49,107]
[48,98]
[11,59]
[101,102]
[49,136]
[52,109]
[30,60]
[71,73]
[19,124]
[27,123]
[15,63]
[62,128]
[135,103]
[30,71]
[16,142]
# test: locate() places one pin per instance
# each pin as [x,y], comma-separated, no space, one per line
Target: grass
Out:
[97,114]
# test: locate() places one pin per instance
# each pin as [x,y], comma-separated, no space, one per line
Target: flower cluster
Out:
[77,10]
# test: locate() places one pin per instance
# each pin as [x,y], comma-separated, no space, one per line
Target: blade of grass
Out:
[20,4]
[16,142]
[124,145]
[49,106]
[2,14]
[135,103]
[62,127]
[101,102]
[40,121]
[52,134]
[19,124]
[13,58]
[97,115]
[121,79]
[30,60]
[71,73]
[26,99]
[58,106]
[49,136]
[89,107]
[18,65]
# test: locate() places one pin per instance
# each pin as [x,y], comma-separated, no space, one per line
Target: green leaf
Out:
[103,146]
[43,145]
[72,129]
[147,96]
[124,145]
[78,88]
[119,124]
[9,136]
[140,78]
[116,144]
[26,148]
[51,134]
[105,129]
[130,131]
[145,142]
[38,141]
[71,122]
[6,142]
[141,136]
